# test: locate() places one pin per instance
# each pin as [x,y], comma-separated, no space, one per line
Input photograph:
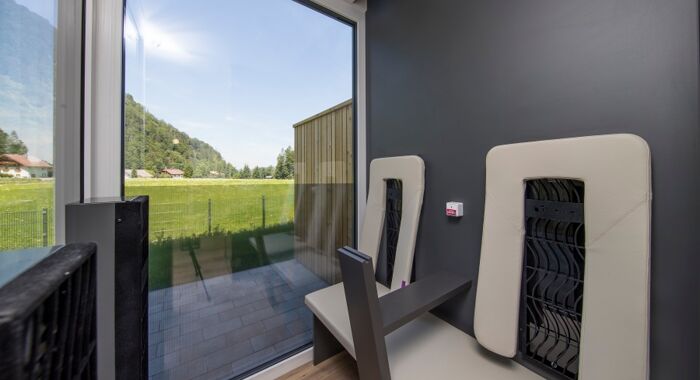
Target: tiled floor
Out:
[229,324]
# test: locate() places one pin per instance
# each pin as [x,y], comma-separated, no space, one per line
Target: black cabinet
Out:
[120,229]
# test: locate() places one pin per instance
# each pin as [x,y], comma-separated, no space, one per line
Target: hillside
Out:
[26,76]
[26,109]
[150,144]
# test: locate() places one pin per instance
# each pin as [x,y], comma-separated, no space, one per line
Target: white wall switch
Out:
[454,209]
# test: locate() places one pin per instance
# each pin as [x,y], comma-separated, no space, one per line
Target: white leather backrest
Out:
[411,171]
[616,171]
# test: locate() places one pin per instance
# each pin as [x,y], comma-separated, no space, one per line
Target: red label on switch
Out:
[451,212]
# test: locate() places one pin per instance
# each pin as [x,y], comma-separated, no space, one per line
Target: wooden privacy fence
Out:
[324,216]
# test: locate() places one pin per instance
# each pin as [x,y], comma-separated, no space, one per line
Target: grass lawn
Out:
[25,194]
[26,213]
[181,207]
[178,208]
[181,232]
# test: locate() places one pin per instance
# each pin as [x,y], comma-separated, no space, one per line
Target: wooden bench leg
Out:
[325,344]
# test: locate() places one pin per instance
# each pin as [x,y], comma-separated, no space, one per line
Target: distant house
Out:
[214,174]
[21,166]
[173,173]
[140,173]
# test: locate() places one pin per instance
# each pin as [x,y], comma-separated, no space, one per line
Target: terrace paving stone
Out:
[227,325]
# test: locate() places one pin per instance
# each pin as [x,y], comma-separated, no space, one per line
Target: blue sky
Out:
[236,73]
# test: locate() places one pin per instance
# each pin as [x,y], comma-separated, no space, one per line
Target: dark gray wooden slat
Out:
[371,318]
[404,305]
[365,315]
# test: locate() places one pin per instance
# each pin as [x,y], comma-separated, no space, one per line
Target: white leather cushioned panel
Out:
[329,305]
[430,348]
[616,171]
[411,171]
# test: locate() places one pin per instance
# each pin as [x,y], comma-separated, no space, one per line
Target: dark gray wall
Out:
[450,79]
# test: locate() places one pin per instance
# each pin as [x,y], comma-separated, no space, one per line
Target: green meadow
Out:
[186,207]
[178,207]
[25,194]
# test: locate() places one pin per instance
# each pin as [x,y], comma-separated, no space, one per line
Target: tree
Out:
[11,143]
[231,171]
[134,173]
[245,172]
[188,171]
[201,170]
[279,168]
[3,141]
[289,161]
[285,164]
[15,145]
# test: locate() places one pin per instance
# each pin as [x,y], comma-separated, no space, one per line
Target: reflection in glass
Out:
[27,61]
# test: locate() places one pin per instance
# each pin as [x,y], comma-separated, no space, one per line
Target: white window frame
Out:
[102,145]
[103,113]
[67,110]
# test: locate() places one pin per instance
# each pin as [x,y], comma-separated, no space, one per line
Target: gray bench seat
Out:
[425,348]
[328,305]
[430,348]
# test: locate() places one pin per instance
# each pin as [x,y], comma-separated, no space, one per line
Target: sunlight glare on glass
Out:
[157,38]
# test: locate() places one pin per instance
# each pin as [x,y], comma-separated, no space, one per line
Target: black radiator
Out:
[553,269]
[47,318]
[390,233]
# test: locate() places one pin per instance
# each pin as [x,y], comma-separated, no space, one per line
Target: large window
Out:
[239,125]
[27,77]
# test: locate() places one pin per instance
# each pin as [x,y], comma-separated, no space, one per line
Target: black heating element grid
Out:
[553,268]
[390,236]
[47,318]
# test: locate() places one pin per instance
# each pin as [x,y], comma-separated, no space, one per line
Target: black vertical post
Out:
[44,227]
[263,211]
[209,216]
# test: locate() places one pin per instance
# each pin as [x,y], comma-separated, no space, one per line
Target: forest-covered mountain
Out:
[26,77]
[26,110]
[153,144]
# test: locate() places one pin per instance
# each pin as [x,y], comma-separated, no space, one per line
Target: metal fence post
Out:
[263,211]
[44,227]
[209,220]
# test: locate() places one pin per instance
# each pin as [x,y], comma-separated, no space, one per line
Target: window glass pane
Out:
[239,126]
[27,61]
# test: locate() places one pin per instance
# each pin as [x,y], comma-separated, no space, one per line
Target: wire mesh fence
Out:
[23,229]
[175,219]
[169,219]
